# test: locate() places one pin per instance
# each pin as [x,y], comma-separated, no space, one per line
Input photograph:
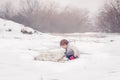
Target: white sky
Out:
[91,5]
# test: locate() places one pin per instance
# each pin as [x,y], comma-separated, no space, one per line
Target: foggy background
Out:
[63,16]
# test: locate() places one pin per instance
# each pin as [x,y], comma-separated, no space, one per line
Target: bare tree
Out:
[109,18]
[47,18]
[7,11]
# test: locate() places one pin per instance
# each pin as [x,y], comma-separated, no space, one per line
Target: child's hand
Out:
[58,60]
[61,58]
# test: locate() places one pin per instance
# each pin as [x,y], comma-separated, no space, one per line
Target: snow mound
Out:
[10,26]
[50,57]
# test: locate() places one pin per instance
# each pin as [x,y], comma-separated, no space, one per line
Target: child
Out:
[71,52]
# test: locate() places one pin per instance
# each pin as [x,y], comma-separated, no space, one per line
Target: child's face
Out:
[64,46]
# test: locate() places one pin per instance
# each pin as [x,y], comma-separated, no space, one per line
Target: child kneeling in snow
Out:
[71,52]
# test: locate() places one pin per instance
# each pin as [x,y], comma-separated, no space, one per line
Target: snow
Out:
[99,59]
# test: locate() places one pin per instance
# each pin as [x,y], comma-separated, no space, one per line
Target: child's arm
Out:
[61,58]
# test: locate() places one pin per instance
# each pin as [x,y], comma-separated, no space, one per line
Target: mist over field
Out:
[64,16]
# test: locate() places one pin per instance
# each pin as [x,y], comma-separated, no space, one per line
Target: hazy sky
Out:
[91,5]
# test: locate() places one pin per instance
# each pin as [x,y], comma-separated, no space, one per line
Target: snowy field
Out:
[99,58]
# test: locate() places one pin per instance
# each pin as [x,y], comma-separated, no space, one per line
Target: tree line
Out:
[51,18]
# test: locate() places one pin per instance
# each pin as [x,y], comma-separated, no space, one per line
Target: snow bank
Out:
[14,28]
[16,36]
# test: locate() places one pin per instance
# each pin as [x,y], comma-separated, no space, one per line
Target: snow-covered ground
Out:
[99,60]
